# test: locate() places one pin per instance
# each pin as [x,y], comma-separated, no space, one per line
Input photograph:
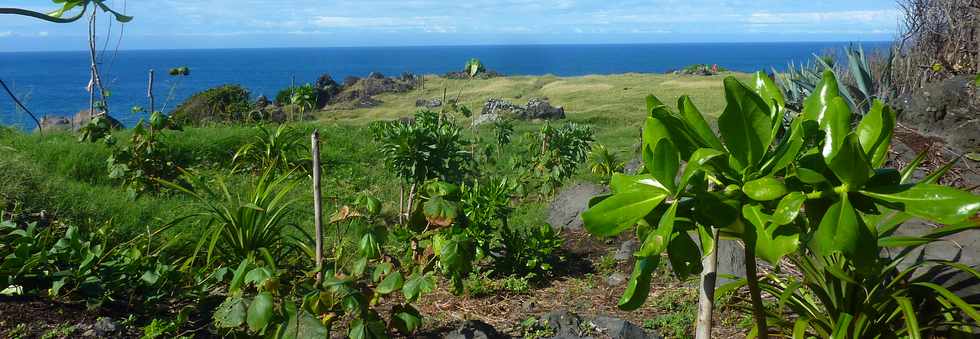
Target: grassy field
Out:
[56,175]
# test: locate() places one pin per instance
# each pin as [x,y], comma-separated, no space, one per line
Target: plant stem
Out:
[758,310]
[706,297]
[21,105]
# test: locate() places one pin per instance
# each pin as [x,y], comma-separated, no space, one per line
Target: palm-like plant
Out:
[603,163]
[282,150]
[240,226]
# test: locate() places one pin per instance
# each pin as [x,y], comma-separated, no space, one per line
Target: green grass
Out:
[61,176]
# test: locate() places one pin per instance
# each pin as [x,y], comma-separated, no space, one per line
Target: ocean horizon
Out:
[53,83]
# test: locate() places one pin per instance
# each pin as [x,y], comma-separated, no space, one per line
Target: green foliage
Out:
[239,226]
[502,131]
[474,67]
[304,97]
[146,159]
[227,103]
[867,87]
[554,154]
[838,209]
[58,15]
[430,147]
[531,251]
[603,163]
[282,150]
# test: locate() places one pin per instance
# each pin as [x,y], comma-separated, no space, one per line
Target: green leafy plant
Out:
[603,163]
[58,15]
[145,159]
[226,103]
[304,97]
[246,225]
[814,188]
[531,251]
[474,67]
[554,154]
[282,150]
[867,84]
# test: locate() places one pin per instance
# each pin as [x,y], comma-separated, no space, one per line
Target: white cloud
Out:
[42,33]
[803,18]
[4,34]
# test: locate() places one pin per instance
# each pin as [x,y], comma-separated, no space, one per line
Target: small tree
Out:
[814,188]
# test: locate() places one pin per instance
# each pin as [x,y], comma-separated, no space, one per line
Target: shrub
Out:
[474,67]
[554,154]
[603,163]
[227,103]
[146,159]
[282,150]
[814,189]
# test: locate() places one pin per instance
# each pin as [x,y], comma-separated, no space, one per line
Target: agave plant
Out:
[798,82]
[814,189]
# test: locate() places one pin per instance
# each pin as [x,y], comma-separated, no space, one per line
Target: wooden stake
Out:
[149,93]
[317,204]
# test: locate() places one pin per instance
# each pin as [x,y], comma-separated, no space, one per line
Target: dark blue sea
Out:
[53,83]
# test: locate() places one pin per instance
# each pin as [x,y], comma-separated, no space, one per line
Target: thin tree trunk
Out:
[317,204]
[758,310]
[411,200]
[401,203]
[96,81]
[706,297]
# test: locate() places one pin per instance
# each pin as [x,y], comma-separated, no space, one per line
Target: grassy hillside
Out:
[613,104]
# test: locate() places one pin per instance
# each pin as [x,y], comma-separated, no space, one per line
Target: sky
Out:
[174,24]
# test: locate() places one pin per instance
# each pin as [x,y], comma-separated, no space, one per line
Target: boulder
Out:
[51,123]
[540,108]
[535,109]
[261,102]
[376,75]
[948,110]
[83,117]
[431,103]
[358,93]
[626,249]
[474,329]
[615,279]
[486,119]
[326,88]
[350,81]
[567,325]
[566,210]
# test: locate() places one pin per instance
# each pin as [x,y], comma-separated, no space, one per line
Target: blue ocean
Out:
[53,83]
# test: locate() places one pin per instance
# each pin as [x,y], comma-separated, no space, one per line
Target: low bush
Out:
[227,103]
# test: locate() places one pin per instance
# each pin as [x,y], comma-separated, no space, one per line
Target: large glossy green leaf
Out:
[745,124]
[699,126]
[653,131]
[875,133]
[684,255]
[621,183]
[699,159]
[768,90]
[639,284]
[771,242]
[850,164]
[943,204]
[406,319]
[789,207]
[836,125]
[712,208]
[764,189]
[260,311]
[664,163]
[840,230]
[621,211]
[816,105]
[787,149]
[656,242]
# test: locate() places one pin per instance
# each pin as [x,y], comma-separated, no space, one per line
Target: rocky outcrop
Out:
[466,75]
[567,325]
[431,103]
[359,93]
[50,124]
[566,210]
[535,109]
[83,117]
[474,329]
[326,89]
[949,110]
